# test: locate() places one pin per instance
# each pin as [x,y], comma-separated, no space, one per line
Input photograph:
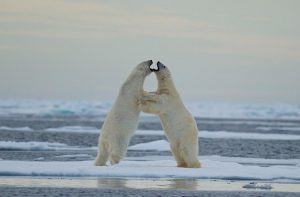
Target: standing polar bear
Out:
[179,125]
[122,120]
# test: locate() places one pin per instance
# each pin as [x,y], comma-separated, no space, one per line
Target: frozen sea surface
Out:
[237,142]
[156,168]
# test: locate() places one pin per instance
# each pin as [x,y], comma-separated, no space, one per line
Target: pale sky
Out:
[231,50]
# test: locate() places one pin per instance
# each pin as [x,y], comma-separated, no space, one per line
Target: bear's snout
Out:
[154,68]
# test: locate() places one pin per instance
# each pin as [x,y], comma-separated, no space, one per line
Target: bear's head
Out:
[143,69]
[136,78]
[162,72]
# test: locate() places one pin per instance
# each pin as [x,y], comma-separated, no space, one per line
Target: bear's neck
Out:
[167,86]
[135,83]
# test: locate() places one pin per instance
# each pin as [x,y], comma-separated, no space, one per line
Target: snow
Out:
[16,128]
[74,129]
[38,146]
[160,145]
[254,136]
[57,108]
[163,168]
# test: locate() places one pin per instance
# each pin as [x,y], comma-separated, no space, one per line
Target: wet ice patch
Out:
[254,185]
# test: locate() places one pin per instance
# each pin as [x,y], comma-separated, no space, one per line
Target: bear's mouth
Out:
[154,68]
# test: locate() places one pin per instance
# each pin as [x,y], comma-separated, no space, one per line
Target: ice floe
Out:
[16,128]
[74,129]
[254,136]
[164,168]
[160,145]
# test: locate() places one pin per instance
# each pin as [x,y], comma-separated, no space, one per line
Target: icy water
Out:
[11,130]
[238,145]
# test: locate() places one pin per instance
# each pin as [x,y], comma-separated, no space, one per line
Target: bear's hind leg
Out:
[190,158]
[194,164]
[102,155]
[119,151]
[115,159]
[179,160]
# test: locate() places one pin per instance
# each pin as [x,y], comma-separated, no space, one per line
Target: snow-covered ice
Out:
[231,135]
[164,168]
[160,145]
[15,128]
[74,129]
[254,136]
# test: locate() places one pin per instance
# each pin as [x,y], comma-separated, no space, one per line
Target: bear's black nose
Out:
[158,63]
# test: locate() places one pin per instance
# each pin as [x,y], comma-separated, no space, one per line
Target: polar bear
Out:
[122,120]
[179,125]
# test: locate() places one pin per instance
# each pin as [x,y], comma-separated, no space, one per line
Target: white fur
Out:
[122,120]
[178,123]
